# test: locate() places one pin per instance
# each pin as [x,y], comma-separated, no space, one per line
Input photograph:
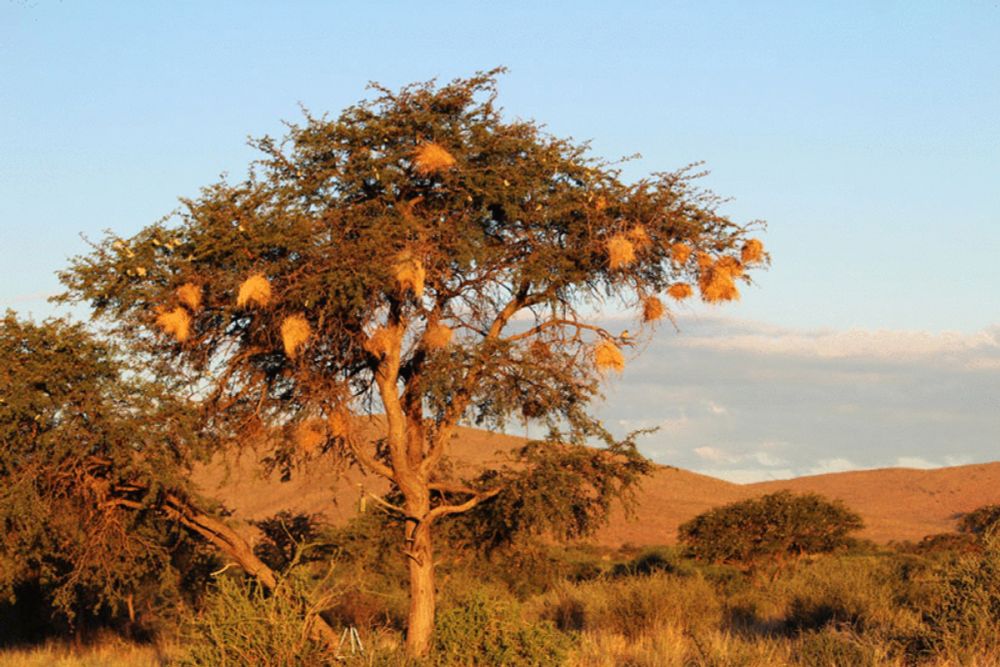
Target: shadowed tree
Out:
[75,432]
[96,509]
[422,258]
[769,529]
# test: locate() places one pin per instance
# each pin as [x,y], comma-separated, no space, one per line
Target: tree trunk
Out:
[420,623]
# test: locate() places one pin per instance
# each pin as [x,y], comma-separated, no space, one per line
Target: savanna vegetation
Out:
[416,263]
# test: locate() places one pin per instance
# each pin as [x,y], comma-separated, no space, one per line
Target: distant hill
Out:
[896,503]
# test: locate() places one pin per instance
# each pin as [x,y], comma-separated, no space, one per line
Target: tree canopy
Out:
[78,430]
[769,529]
[418,257]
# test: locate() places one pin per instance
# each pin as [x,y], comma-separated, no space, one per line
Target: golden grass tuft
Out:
[295,331]
[176,323]
[681,252]
[639,236]
[652,309]
[621,252]
[380,342]
[753,251]
[680,291]
[409,273]
[431,158]
[704,261]
[600,203]
[608,356]
[309,436]
[255,290]
[437,336]
[189,295]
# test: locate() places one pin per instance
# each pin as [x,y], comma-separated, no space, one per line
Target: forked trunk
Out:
[420,624]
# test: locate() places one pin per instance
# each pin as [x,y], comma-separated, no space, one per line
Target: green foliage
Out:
[242,625]
[84,440]
[485,630]
[769,529]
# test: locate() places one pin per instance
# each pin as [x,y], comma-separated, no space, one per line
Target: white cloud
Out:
[716,409]
[714,454]
[915,462]
[824,466]
[860,343]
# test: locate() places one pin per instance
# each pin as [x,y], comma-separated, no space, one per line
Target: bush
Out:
[485,630]
[241,624]
[980,521]
[769,529]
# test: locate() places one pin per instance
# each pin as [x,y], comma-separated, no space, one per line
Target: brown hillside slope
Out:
[896,503]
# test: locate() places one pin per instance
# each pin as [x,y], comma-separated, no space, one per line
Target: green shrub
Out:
[769,529]
[485,630]
[242,625]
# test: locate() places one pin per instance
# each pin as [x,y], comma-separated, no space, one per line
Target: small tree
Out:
[417,257]
[76,431]
[769,529]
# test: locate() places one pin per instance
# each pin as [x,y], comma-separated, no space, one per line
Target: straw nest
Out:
[681,252]
[339,423]
[176,323]
[753,251]
[608,356]
[680,291]
[652,309]
[409,273]
[639,237]
[717,282]
[309,436]
[255,290]
[621,252]
[189,295]
[437,336]
[295,331]
[431,158]
[380,342]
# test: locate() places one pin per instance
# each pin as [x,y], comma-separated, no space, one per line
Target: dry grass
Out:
[189,295]
[431,158]
[652,309]
[409,273]
[621,252]
[109,653]
[607,356]
[255,290]
[295,331]
[176,323]
[680,252]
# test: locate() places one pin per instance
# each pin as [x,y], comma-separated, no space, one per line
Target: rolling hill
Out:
[896,503]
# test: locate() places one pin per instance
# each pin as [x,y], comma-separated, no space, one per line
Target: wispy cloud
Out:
[745,400]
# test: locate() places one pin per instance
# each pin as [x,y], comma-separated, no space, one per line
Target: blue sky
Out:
[865,133]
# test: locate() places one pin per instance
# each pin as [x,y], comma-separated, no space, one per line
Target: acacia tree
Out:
[74,432]
[96,509]
[769,529]
[422,258]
